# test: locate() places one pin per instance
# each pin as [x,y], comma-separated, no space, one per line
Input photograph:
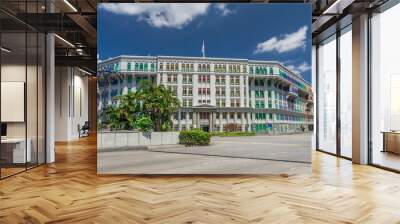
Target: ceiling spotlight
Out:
[64,40]
[5,50]
[86,72]
[337,7]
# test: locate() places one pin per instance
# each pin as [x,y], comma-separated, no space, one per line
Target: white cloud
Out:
[304,67]
[223,9]
[297,69]
[287,43]
[170,15]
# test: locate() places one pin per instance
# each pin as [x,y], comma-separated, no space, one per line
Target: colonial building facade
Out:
[217,94]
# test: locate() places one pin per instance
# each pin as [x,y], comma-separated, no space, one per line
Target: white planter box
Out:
[119,139]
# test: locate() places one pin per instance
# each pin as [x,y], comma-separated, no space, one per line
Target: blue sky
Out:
[279,32]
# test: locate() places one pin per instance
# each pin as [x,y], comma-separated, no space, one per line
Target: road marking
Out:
[263,143]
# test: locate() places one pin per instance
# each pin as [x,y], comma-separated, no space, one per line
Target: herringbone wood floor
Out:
[69,191]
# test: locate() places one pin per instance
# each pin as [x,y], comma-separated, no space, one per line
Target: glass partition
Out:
[327,95]
[31,97]
[41,97]
[22,87]
[13,86]
[346,92]
[385,89]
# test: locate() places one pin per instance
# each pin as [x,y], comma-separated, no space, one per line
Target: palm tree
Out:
[123,115]
[159,103]
[156,102]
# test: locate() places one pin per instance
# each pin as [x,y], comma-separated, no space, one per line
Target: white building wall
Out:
[246,86]
[212,89]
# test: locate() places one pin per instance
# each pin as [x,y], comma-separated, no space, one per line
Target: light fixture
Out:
[86,72]
[70,5]
[64,40]
[5,50]
[337,7]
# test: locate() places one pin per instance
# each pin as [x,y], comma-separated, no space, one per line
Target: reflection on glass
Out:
[14,153]
[346,92]
[22,91]
[41,99]
[31,97]
[327,95]
[385,89]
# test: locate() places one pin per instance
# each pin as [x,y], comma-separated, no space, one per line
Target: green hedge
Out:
[232,134]
[194,137]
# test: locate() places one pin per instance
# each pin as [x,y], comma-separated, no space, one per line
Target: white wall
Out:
[71,102]
[33,125]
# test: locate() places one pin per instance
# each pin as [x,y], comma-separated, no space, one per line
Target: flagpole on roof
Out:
[203,50]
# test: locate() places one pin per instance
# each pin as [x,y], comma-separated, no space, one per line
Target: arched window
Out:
[167,66]
[129,66]
[208,68]
[161,66]
[141,67]
[176,66]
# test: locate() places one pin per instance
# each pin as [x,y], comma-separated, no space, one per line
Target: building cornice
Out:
[206,59]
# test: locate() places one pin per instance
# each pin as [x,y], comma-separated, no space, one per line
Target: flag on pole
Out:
[203,50]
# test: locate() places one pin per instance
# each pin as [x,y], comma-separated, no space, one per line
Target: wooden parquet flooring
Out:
[70,191]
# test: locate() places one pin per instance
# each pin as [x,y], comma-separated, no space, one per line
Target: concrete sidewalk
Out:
[228,155]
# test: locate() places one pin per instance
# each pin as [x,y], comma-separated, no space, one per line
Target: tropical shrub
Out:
[194,137]
[156,103]
[144,124]
[122,115]
[159,103]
